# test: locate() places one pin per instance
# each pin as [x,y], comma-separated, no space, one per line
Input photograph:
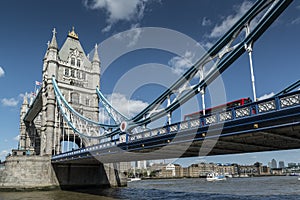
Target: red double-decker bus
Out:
[222,107]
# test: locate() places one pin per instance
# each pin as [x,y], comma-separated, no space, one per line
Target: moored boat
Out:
[133,179]
[215,177]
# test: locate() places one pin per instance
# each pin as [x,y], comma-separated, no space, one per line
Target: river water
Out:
[258,188]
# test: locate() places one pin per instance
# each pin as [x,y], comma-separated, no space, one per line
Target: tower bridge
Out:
[66,109]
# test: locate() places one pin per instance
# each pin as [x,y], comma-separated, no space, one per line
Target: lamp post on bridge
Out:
[249,50]
[202,90]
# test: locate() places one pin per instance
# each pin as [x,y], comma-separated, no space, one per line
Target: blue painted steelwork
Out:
[271,105]
[275,9]
[253,117]
[113,112]
[289,88]
[225,55]
[70,115]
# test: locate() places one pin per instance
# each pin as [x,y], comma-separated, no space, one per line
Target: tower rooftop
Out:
[72,34]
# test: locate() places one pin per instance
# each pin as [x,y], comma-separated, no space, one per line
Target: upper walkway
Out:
[267,125]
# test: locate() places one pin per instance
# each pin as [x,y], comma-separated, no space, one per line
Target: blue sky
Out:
[26,27]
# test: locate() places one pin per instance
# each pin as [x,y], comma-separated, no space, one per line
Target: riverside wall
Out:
[37,173]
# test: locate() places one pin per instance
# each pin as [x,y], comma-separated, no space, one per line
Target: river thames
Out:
[258,188]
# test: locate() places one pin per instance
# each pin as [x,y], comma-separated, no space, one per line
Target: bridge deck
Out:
[35,108]
[269,125]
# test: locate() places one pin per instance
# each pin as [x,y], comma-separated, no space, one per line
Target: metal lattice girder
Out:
[289,88]
[281,120]
[80,124]
[113,112]
[223,53]
[290,101]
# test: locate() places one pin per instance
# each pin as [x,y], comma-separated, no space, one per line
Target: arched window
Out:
[73,73]
[67,72]
[83,75]
[75,98]
[78,63]
[73,61]
[87,101]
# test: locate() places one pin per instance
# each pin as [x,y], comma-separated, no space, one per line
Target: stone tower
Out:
[77,77]
[43,132]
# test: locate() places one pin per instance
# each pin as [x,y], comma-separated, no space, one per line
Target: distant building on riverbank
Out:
[202,169]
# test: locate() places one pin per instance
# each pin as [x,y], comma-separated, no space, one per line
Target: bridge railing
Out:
[252,109]
[273,104]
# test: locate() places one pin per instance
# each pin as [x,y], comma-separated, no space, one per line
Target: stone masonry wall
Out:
[23,172]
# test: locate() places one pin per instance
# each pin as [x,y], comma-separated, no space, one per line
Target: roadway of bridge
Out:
[268,130]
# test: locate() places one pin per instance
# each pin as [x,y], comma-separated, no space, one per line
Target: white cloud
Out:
[207,44]
[132,35]
[118,10]
[4,153]
[266,96]
[229,21]
[16,138]
[126,106]
[1,72]
[181,64]
[296,21]
[12,102]
[206,21]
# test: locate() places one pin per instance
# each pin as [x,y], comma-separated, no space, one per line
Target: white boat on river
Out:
[215,177]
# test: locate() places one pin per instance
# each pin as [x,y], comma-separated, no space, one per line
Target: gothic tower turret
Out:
[22,139]
[96,67]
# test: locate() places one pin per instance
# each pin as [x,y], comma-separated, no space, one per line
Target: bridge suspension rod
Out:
[79,124]
[117,116]
[226,56]
[289,88]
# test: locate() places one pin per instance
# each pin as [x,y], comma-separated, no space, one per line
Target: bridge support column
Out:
[48,120]
[115,177]
[27,172]
[93,175]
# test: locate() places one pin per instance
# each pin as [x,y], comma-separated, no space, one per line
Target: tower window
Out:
[75,98]
[83,75]
[67,72]
[73,61]
[78,63]
[87,102]
[73,73]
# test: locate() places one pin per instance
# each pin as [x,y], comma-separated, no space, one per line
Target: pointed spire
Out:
[96,56]
[53,43]
[25,100]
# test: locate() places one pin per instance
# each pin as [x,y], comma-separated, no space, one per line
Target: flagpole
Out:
[34,91]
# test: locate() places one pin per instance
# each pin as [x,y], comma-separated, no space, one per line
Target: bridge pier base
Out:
[37,173]
[27,173]
[78,176]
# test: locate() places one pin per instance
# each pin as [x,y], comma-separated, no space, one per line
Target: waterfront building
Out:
[227,169]
[277,171]
[273,164]
[202,169]
[281,164]
[270,164]
[171,170]
[292,165]
[184,172]
[141,164]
